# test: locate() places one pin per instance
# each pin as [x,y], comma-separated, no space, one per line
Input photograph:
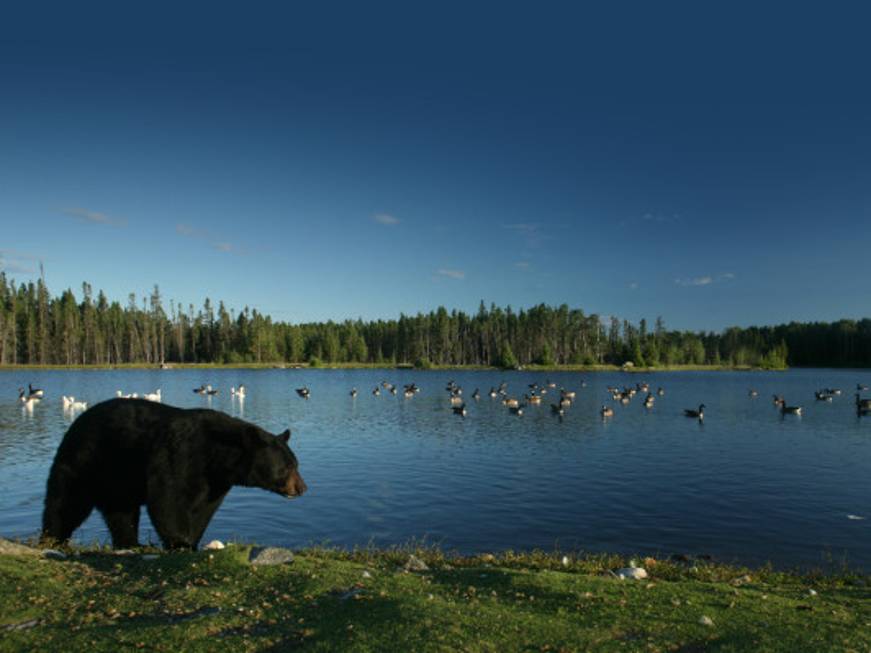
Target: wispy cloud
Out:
[451,274]
[220,245]
[385,219]
[522,265]
[660,218]
[706,280]
[530,232]
[14,268]
[94,217]
[633,285]
[16,262]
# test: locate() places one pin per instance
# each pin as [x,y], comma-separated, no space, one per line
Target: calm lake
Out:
[747,485]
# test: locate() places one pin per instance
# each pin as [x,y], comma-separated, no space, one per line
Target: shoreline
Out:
[589,369]
[417,599]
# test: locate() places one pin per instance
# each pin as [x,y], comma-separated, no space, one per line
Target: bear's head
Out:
[275,467]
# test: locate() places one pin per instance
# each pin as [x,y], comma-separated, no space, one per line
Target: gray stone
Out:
[270,555]
[415,564]
[54,554]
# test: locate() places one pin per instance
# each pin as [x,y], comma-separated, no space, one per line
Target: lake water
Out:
[747,485]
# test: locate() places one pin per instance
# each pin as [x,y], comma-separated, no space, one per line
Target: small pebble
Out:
[366,574]
[706,621]
[812,592]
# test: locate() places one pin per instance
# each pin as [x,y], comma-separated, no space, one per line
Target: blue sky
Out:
[710,164]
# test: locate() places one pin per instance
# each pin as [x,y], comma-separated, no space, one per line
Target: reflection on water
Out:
[746,484]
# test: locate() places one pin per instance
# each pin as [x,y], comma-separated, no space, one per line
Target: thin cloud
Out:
[706,280]
[16,262]
[451,274]
[695,281]
[14,268]
[530,232]
[94,217]
[522,265]
[633,285]
[189,231]
[385,219]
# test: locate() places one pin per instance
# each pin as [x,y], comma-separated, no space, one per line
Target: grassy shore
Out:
[329,600]
[381,366]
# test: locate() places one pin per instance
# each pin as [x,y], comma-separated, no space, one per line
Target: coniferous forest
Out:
[37,328]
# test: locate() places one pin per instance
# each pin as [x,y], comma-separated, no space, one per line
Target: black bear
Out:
[124,453]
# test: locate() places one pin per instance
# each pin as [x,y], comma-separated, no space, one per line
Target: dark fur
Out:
[125,453]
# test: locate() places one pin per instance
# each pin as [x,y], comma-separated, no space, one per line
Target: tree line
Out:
[37,328]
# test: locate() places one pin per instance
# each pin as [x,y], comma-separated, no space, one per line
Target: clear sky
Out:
[707,162]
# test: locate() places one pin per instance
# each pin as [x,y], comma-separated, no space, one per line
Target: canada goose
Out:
[606,411]
[303,392]
[38,393]
[834,391]
[152,396]
[201,390]
[862,403]
[565,402]
[625,398]
[238,392]
[822,396]
[515,410]
[393,390]
[476,395]
[753,393]
[557,410]
[859,388]
[700,413]
[789,410]
[412,388]
[376,391]
[533,399]
[778,400]
[648,401]
[459,410]
[567,394]
[211,391]
[511,402]
[660,392]
[408,394]
[353,392]
[493,394]
[457,401]
[27,400]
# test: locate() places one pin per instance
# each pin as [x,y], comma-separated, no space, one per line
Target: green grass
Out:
[95,601]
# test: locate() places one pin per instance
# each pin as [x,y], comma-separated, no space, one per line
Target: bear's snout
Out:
[295,486]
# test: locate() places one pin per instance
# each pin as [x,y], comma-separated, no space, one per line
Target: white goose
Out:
[153,396]
[238,392]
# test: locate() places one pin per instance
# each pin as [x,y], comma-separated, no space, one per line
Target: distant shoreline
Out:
[393,367]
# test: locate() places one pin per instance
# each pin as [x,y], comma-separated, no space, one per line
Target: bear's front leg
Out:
[181,523]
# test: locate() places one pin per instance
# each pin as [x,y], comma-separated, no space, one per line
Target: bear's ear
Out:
[285,436]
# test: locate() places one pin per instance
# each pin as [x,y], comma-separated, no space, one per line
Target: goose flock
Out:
[516,404]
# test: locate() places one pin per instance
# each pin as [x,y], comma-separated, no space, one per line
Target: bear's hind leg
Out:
[123,525]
